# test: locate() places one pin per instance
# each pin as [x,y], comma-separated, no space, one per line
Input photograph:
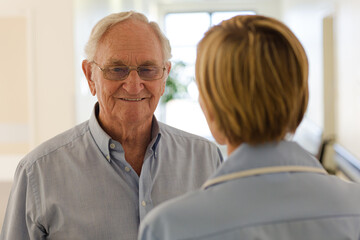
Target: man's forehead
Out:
[131,22]
[129,42]
[131,26]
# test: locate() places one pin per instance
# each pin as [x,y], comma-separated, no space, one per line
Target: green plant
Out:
[174,88]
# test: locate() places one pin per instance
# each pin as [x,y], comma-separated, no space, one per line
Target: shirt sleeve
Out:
[20,218]
[145,233]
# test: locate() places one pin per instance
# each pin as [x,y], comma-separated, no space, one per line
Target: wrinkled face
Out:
[132,100]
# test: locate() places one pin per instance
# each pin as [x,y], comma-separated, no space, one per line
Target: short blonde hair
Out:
[109,21]
[252,74]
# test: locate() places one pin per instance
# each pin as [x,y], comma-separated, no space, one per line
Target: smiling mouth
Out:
[132,99]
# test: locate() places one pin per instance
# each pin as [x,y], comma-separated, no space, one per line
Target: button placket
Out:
[145,186]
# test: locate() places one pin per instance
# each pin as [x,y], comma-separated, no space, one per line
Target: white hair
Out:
[109,21]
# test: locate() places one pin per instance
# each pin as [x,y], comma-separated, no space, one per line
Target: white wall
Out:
[49,74]
[50,63]
[305,18]
[348,74]
[4,190]
[50,87]
[14,119]
[339,108]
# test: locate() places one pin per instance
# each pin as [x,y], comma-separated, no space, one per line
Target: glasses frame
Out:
[131,68]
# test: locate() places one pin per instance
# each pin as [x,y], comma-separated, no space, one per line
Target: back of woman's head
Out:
[252,75]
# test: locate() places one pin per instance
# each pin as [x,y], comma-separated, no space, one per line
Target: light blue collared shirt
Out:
[78,185]
[272,206]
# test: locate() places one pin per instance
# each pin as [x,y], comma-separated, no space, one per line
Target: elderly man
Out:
[99,179]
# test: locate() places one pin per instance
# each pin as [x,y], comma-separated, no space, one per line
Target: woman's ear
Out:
[87,69]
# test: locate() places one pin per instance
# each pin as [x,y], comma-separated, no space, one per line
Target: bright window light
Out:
[184,31]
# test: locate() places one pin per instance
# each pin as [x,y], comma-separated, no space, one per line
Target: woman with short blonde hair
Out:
[252,74]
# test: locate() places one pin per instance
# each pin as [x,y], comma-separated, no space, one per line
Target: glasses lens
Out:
[117,73]
[150,73]
[122,72]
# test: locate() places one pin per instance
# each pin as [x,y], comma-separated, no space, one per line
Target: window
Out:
[184,31]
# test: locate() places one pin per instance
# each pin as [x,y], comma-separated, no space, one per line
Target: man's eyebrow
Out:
[148,63]
[113,62]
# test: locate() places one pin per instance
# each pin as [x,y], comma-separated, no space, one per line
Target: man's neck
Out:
[134,138]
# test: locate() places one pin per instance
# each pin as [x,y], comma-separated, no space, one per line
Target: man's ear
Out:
[87,69]
[168,68]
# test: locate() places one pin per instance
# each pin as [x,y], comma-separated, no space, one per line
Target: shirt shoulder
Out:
[185,144]
[54,144]
[172,132]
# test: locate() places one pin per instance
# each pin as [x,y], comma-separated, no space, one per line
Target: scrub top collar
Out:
[248,157]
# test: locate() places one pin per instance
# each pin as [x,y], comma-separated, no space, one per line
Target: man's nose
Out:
[133,83]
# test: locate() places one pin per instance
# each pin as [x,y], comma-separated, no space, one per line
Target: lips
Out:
[132,99]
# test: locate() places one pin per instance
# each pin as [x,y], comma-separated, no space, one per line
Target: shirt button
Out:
[108,157]
[112,145]
[127,169]
[143,203]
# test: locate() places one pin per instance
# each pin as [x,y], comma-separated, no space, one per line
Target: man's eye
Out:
[117,69]
[147,69]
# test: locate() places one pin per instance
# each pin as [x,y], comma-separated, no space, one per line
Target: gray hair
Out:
[109,21]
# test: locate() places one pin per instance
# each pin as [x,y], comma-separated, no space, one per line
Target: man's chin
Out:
[136,118]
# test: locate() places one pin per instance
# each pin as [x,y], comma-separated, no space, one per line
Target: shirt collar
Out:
[103,140]
[283,153]
[155,134]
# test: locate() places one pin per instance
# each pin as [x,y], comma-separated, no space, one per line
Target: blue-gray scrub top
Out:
[283,205]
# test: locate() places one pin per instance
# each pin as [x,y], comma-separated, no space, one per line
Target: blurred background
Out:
[43,91]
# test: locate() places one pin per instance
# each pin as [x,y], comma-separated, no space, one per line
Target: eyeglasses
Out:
[119,73]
